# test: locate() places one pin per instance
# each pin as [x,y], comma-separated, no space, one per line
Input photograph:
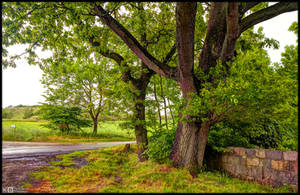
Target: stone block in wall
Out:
[290,155]
[281,165]
[241,170]
[265,163]
[294,166]
[274,154]
[239,151]
[286,165]
[277,164]
[269,174]
[256,172]
[260,153]
[250,152]
[252,161]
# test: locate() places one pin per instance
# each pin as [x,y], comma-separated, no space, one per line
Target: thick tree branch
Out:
[232,33]
[135,46]
[267,13]
[215,35]
[246,7]
[185,27]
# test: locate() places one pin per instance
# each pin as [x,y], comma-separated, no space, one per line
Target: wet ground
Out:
[15,171]
[21,158]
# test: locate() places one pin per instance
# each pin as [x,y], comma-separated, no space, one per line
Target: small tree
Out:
[63,118]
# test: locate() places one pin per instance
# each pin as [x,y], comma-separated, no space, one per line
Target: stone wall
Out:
[273,167]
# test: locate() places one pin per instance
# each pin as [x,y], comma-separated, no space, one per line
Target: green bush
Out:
[264,133]
[160,145]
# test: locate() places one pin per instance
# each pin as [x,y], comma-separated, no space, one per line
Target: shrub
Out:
[264,133]
[160,145]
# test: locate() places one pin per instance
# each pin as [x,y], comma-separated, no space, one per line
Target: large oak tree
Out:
[226,22]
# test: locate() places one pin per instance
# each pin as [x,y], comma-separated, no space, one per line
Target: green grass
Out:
[112,171]
[34,131]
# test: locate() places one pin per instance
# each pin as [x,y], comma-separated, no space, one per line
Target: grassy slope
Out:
[110,170]
[18,112]
[34,131]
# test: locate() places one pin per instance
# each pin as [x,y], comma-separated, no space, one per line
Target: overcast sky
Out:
[22,85]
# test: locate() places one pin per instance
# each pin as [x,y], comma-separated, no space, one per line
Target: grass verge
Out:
[112,171]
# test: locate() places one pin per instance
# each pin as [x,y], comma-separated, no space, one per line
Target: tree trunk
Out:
[140,85]
[191,136]
[189,145]
[139,126]
[95,126]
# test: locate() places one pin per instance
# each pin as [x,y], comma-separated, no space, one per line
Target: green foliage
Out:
[263,133]
[160,145]
[253,99]
[63,118]
[294,28]
[251,40]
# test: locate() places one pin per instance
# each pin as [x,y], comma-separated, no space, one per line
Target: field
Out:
[35,131]
[111,170]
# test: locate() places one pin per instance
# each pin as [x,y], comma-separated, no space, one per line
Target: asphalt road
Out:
[25,150]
